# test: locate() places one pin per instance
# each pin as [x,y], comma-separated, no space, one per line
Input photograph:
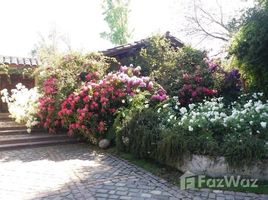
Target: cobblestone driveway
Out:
[76,172]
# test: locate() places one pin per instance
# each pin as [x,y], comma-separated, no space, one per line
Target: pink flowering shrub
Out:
[47,105]
[58,81]
[91,109]
[194,89]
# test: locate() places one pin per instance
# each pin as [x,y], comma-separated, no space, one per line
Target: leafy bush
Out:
[56,82]
[207,128]
[90,110]
[185,72]
[249,49]
[22,105]
[144,134]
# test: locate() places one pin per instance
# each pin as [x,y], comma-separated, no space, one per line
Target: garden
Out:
[201,108]
[166,105]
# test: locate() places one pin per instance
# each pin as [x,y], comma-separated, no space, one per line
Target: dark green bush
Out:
[154,133]
[140,134]
[168,64]
[242,149]
[249,49]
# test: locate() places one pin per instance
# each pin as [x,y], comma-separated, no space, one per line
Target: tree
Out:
[212,21]
[116,16]
[50,47]
[249,48]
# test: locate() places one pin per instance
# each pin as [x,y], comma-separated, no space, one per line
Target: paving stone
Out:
[157,192]
[229,197]
[76,172]
[113,196]
[121,193]
[146,195]
[220,198]
[212,195]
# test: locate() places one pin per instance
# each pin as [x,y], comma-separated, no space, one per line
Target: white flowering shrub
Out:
[248,115]
[22,105]
[238,131]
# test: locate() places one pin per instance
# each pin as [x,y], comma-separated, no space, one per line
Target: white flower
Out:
[263,124]
[123,101]
[191,106]
[171,116]
[183,110]
[159,110]
[29,130]
[251,123]
[165,105]
[146,106]
[190,128]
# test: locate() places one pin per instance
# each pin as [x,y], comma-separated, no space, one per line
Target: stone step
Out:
[37,143]
[4,114]
[11,125]
[22,138]
[14,135]
[16,131]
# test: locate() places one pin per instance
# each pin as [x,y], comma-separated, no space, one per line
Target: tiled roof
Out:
[133,47]
[18,61]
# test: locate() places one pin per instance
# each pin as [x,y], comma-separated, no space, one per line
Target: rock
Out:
[104,143]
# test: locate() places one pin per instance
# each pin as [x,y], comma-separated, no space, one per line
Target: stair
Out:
[14,136]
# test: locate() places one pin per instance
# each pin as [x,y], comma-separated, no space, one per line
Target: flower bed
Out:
[167,133]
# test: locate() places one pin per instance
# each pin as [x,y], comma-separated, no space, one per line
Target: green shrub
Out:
[58,81]
[140,134]
[249,49]
[167,132]
[168,64]
[243,149]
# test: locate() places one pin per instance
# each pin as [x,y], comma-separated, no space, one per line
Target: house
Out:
[132,49]
[13,79]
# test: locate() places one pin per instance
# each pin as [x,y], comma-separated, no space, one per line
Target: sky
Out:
[81,21]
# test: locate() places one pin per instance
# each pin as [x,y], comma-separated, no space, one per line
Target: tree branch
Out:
[202,28]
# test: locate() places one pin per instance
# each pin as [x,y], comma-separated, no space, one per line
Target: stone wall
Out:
[216,167]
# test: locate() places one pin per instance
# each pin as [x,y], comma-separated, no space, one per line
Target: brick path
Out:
[76,172]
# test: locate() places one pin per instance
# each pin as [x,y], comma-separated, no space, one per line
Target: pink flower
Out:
[150,85]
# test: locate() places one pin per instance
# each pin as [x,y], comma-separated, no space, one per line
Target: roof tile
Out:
[18,61]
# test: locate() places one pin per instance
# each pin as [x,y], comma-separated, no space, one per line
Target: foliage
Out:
[25,71]
[90,110]
[186,72]
[22,104]
[144,131]
[4,69]
[168,132]
[227,83]
[249,49]
[58,81]
[116,16]
[158,54]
